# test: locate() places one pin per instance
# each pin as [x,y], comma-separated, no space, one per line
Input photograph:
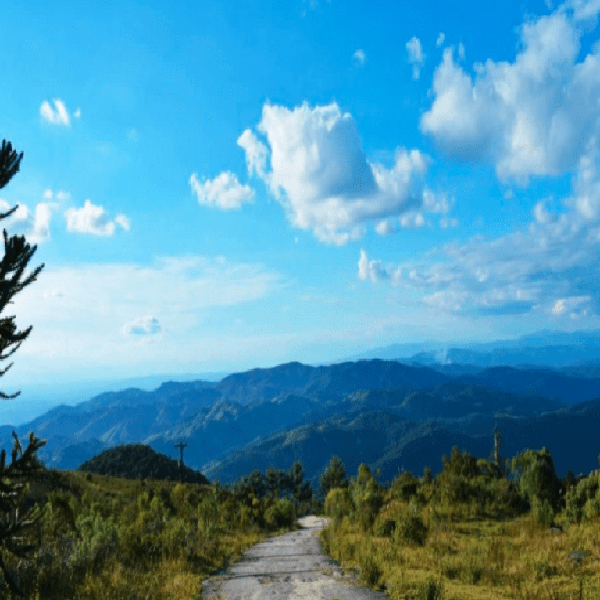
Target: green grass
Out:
[464,554]
[110,538]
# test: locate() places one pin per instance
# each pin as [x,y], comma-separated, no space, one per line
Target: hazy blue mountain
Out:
[548,348]
[37,398]
[330,382]
[248,408]
[386,440]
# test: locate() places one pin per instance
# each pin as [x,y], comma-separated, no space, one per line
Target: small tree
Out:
[334,476]
[17,253]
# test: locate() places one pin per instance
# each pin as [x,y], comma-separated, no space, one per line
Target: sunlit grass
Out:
[467,557]
[155,540]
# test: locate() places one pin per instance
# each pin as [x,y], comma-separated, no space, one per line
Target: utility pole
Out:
[181,446]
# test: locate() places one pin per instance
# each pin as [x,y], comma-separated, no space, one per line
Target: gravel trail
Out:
[287,567]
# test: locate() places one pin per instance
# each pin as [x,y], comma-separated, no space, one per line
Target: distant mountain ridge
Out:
[546,348]
[265,413]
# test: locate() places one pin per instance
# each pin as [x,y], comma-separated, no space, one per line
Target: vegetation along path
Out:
[287,567]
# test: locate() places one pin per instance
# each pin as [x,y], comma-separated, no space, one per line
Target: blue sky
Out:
[219,186]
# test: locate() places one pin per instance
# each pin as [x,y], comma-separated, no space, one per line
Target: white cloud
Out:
[77,113]
[550,268]
[415,56]
[533,116]
[322,177]
[540,214]
[147,325]
[359,56]
[123,221]
[60,195]
[92,219]
[583,10]
[224,191]
[586,197]
[440,39]
[461,51]
[34,226]
[412,220]
[256,153]
[386,227]
[370,269]
[56,116]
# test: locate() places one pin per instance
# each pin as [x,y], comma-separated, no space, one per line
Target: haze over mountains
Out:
[387,413]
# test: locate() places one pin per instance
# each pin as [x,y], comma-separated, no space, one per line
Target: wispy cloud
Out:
[129,303]
[415,56]
[59,115]
[359,57]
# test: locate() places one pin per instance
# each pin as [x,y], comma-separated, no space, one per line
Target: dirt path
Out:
[287,567]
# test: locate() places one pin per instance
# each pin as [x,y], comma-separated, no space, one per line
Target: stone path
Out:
[288,567]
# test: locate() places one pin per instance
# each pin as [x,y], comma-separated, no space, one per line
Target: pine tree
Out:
[17,254]
[333,476]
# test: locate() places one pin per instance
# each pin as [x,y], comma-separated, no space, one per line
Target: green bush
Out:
[404,486]
[577,497]
[542,512]
[366,497]
[98,541]
[384,526]
[370,572]
[338,504]
[282,513]
[410,527]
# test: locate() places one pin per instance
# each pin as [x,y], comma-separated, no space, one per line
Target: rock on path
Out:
[288,567]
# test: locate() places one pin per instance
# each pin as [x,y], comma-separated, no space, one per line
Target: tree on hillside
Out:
[17,254]
[537,476]
[302,489]
[334,476]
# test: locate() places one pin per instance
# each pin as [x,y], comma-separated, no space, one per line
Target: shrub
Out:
[404,486]
[366,497]
[338,504]
[384,526]
[99,540]
[410,527]
[370,572]
[208,515]
[281,514]
[542,512]
[577,497]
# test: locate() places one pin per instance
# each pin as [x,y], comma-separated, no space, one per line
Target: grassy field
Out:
[111,538]
[421,547]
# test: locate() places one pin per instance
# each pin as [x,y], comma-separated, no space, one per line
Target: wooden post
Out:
[181,446]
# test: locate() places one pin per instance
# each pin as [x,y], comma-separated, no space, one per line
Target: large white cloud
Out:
[532,116]
[92,219]
[321,176]
[224,191]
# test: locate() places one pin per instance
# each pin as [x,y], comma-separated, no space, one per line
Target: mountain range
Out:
[389,414]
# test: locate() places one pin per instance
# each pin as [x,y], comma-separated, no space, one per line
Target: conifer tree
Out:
[17,254]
